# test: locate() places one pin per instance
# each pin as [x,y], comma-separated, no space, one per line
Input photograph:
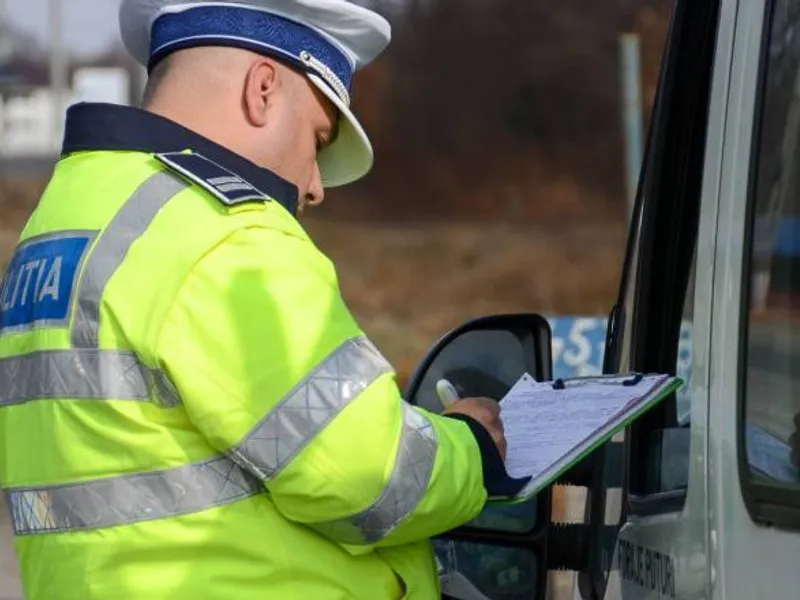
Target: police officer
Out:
[188,408]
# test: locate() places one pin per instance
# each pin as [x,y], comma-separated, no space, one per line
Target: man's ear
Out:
[261,85]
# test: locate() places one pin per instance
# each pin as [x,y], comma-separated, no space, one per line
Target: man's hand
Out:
[487,413]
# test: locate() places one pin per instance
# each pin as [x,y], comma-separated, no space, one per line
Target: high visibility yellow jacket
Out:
[187,407]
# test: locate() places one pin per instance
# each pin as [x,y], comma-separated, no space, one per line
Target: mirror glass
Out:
[471,571]
[478,363]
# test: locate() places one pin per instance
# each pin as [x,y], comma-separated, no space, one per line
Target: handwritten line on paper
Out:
[545,427]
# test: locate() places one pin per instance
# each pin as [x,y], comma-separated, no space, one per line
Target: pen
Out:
[446,392]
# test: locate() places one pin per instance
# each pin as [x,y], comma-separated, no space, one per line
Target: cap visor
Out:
[350,156]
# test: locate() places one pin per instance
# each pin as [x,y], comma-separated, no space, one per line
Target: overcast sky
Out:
[89,25]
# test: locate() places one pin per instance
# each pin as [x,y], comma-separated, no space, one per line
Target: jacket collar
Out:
[98,126]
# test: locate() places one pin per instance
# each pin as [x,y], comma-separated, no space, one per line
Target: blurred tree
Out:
[484,109]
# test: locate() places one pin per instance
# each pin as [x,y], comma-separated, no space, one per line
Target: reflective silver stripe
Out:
[404,491]
[165,389]
[73,374]
[108,254]
[309,407]
[130,499]
[303,413]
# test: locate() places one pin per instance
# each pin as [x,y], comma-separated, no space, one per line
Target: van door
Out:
[711,503]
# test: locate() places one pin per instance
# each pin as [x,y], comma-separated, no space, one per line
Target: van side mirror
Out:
[486,357]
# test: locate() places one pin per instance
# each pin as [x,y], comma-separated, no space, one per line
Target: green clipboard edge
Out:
[670,388]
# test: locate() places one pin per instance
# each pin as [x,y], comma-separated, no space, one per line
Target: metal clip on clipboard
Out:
[633,379]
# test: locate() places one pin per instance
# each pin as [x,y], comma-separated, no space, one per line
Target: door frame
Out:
[685,137]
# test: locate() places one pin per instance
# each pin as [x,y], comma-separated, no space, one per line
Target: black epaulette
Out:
[225,185]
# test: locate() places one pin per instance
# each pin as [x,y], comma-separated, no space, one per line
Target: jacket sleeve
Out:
[274,371]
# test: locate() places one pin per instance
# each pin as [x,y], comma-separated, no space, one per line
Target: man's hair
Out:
[201,67]
[155,78]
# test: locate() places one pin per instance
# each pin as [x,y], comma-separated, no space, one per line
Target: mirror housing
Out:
[486,357]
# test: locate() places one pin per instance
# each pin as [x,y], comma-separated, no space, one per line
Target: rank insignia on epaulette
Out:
[226,185]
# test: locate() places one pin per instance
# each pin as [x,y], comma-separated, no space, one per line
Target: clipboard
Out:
[563,436]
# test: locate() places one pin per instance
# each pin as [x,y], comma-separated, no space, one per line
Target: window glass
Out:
[772,351]
[667,454]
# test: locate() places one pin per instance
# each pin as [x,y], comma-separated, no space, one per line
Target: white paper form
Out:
[544,427]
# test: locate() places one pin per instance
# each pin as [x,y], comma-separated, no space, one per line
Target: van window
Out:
[667,467]
[770,365]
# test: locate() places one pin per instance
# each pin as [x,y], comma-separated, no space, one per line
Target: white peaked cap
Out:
[329,40]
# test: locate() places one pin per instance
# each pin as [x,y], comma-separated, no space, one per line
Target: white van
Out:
[700,499]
